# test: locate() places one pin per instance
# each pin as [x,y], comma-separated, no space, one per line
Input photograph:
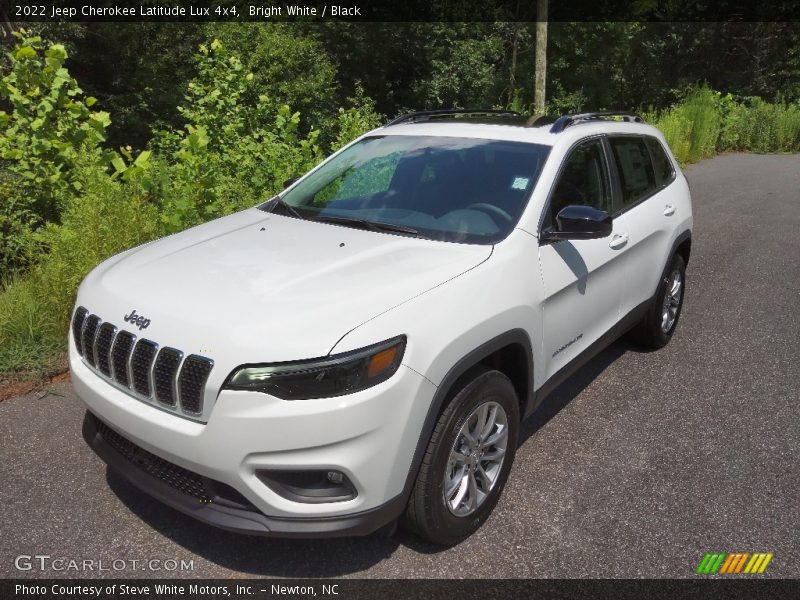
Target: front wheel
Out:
[658,325]
[467,461]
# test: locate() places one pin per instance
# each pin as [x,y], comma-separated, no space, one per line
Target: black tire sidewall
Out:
[655,322]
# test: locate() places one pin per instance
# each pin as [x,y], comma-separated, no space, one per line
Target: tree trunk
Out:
[7,28]
[512,80]
[541,57]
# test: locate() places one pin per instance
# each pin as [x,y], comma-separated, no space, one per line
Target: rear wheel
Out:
[467,461]
[658,325]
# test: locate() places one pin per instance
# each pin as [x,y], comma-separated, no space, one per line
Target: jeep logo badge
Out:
[137,320]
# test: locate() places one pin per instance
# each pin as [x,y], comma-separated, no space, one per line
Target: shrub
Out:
[105,218]
[49,129]
[355,121]
[706,122]
[758,126]
[236,148]
[692,127]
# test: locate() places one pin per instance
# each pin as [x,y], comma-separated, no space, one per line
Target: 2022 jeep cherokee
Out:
[363,346]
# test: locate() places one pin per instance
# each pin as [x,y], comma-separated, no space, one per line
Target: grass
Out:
[31,341]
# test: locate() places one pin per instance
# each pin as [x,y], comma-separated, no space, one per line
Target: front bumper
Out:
[228,514]
[370,436]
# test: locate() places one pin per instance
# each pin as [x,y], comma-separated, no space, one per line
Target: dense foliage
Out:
[122,133]
[68,203]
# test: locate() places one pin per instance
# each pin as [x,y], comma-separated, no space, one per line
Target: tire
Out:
[656,330]
[430,514]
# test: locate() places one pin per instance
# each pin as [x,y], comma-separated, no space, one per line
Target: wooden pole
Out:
[541,57]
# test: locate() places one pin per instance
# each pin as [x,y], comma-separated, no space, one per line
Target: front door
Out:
[583,279]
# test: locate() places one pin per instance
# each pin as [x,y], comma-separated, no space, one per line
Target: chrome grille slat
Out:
[78,321]
[141,366]
[120,357]
[192,382]
[88,337]
[165,372]
[102,348]
[154,375]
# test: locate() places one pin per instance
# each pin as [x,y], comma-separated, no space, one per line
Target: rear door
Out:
[647,202]
[583,279]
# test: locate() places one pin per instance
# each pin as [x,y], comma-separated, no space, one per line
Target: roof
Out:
[514,130]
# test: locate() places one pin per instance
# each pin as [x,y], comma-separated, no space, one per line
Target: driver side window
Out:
[583,180]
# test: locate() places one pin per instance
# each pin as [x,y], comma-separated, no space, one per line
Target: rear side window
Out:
[662,164]
[636,173]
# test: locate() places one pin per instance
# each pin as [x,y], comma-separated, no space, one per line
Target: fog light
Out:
[309,487]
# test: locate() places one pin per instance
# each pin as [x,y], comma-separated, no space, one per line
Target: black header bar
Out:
[266,11]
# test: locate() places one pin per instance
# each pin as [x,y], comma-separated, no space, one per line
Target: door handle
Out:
[669,210]
[618,241]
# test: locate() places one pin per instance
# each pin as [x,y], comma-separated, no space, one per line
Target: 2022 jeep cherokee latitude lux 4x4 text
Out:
[362,347]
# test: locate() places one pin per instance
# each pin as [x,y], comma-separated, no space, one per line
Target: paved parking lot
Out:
[634,468]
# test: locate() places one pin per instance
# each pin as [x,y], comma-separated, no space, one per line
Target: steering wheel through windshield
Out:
[492,210]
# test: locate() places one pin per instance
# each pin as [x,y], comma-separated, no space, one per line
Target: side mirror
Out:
[576,222]
[289,182]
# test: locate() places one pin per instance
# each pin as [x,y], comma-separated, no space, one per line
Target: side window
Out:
[583,180]
[637,177]
[662,164]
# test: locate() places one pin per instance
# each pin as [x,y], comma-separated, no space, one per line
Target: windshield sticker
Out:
[520,183]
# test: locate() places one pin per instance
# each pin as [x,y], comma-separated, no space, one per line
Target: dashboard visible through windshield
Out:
[444,188]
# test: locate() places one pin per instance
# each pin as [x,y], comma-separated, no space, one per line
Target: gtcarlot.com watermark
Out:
[59,564]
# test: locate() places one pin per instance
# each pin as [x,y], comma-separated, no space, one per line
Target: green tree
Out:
[289,66]
[236,149]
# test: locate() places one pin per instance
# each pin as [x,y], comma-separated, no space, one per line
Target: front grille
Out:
[138,365]
[183,480]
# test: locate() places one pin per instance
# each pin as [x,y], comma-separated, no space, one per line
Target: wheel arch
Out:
[684,246]
[510,353]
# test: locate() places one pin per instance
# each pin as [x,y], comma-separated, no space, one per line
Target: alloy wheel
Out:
[672,301]
[476,459]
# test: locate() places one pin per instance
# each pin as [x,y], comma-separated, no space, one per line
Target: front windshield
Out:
[443,188]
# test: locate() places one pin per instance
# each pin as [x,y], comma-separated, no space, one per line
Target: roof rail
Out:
[424,115]
[565,121]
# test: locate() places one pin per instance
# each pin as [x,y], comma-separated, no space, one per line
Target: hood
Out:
[260,287]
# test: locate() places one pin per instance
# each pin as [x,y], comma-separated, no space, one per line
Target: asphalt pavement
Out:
[636,467]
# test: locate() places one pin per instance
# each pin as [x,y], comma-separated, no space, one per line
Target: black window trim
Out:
[613,184]
[673,174]
[660,185]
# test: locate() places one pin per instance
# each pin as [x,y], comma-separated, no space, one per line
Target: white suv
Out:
[363,346]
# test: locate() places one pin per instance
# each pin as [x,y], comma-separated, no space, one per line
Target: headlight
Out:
[322,377]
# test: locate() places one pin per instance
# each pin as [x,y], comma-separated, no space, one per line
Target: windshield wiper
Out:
[278,202]
[371,225]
